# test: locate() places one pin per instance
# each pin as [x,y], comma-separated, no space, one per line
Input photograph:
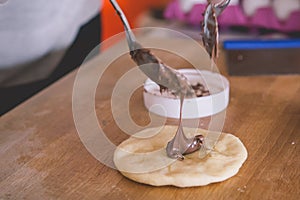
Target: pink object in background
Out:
[264,17]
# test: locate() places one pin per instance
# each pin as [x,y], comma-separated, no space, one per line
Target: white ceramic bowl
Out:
[168,106]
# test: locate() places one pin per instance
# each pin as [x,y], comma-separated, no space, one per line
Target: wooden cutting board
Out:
[42,156]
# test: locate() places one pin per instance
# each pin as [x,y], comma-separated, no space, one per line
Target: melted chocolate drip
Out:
[180,145]
[167,79]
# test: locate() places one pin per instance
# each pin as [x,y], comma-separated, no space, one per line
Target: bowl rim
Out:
[189,71]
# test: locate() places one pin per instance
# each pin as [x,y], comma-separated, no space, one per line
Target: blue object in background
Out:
[261,44]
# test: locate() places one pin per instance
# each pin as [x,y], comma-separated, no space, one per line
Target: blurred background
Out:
[134,10]
[257,37]
[253,16]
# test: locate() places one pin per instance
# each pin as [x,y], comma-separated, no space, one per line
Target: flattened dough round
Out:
[144,159]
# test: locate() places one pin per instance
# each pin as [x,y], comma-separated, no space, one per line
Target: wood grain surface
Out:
[42,156]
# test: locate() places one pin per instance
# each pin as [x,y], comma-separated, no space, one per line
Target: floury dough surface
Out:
[142,158]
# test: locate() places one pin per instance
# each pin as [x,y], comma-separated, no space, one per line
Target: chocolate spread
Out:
[166,78]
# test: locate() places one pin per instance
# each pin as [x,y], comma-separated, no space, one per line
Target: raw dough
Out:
[144,159]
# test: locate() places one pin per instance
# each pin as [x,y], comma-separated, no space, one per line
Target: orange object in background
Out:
[111,23]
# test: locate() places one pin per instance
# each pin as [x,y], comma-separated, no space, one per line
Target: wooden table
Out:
[42,156]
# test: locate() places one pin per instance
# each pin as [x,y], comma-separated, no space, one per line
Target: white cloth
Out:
[35,30]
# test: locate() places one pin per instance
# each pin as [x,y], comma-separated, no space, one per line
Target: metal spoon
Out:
[166,78]
[210,32]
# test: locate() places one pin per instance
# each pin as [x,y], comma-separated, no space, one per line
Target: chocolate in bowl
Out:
[212,97]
